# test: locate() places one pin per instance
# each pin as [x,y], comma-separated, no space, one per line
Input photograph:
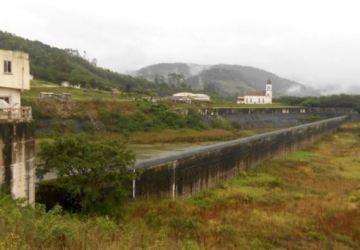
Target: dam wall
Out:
[185,173]
[280,117]
[17,160]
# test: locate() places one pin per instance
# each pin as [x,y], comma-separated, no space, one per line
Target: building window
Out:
[7,67]
[6,99]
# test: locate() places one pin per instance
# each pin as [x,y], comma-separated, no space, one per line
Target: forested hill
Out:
[224,80]
[57,65]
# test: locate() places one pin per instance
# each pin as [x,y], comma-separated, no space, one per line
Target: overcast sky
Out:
[316,42]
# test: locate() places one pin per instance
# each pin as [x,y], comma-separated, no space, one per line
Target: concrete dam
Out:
[185,173]
[277,117]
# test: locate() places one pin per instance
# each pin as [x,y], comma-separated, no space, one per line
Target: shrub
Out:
[184,227]
[220,122]
[92,175]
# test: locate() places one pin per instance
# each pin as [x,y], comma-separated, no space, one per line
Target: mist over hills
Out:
[223,80]
[333,89]
[226,80]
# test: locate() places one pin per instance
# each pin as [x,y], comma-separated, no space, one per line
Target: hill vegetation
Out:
[342,101]
[56,65]
[123,116]
[222,80]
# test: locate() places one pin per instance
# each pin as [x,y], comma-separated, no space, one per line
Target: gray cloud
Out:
[314,42]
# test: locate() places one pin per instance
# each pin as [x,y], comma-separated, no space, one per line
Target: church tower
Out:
[268,91]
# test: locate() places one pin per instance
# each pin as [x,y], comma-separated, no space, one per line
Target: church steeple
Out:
[268,90]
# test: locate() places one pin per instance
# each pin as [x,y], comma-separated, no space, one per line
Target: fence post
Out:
[174,180]
[134,186]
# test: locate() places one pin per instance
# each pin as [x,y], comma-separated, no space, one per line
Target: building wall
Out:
[13,95]
[257,99]
[18,79]
[188,172]
[268,92]
[17,160]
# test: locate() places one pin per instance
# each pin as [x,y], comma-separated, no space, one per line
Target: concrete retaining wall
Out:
[274,117]
[185,173]
[17,160]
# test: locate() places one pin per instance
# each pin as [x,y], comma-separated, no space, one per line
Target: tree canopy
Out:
[343,101]
[93,174]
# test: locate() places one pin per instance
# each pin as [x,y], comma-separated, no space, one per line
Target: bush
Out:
[25,227]
[184,227]
[92,175]
[222,123]
[149,117]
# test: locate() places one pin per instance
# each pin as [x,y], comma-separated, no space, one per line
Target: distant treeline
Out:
[57,65]
[344,101]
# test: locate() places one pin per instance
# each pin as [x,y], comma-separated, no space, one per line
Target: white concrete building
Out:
[66,84]
[17,162]
[14,76]
[188,97]
[262,97]
[201,97]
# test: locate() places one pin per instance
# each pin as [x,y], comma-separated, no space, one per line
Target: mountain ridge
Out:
[226,79]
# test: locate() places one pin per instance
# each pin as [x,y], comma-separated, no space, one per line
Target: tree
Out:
[92,173]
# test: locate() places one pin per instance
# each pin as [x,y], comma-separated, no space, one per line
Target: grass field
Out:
[76,94]
[308,200]
[38,86]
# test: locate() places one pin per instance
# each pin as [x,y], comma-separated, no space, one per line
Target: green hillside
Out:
[56,65]
[222,80]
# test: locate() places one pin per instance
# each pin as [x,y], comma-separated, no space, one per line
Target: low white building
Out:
[257,97]
[188,97]
[66,84]
[201,97]
[14,76]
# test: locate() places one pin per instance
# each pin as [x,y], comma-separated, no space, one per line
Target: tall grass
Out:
[23,227]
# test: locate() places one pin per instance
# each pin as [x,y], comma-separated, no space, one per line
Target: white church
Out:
[257,97]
